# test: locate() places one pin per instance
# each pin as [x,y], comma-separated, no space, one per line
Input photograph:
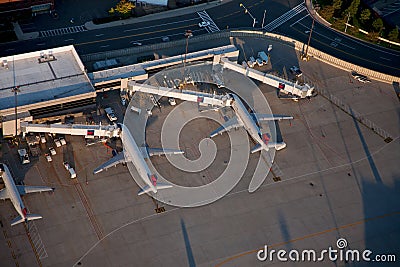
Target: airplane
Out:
[14,192]
[243,117]
[132,153]
[249,121]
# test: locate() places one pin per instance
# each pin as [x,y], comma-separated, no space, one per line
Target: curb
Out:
[162,15]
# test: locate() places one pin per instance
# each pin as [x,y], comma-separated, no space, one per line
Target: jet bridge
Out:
[284,86]
[89,131]
[187,95]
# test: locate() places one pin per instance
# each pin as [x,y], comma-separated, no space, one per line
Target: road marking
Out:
[385,58]
[300,20]
[135,35]
[334,42]
[158,25]
[67,40]
[153,38]
[104,46]
[98,35]
[284,17]
[206,18]
[41,44]
[62,31]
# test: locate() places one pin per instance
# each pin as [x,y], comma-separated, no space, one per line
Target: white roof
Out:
[39,82]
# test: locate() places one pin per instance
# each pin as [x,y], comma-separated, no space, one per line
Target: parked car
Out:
[251,62]
[136,43]
[62,141]
[52,151]
[259,61]
[363,79]
[204,24]
[57,142]
[172,101]
[43,139]
[165,39]
[48,157]
[66,165]
[360,77]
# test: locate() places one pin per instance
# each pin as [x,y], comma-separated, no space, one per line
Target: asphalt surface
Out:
[225,16]
[338,179]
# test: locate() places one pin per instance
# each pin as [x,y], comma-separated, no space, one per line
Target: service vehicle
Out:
[52,151]
[23,155]
[110,114]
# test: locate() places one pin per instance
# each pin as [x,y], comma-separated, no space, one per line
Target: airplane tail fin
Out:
[29,217]
[147,189]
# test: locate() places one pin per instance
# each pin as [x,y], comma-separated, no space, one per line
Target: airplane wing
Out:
[271,117]
[26,189]
[3,194]
[232,123]
[163,151]
[119,158]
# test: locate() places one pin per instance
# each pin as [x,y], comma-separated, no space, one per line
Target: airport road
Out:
[228,15]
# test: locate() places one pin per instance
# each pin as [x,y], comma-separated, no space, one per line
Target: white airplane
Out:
[14,192]
[242,118]
[132,153]
[249,121]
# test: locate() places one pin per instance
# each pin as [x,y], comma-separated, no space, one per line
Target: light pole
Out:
[248,12]
[188,34]
[305,56]
[16,90]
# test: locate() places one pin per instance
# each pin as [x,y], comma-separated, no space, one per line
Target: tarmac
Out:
[335,179]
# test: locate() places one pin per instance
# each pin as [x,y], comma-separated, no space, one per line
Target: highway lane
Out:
[231,16]
[93,41]
[342,46]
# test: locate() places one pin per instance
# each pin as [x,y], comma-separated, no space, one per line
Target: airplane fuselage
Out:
[13,193]
[248,123]
[135,155]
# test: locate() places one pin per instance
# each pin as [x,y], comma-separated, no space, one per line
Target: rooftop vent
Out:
[5,64]
[46,57]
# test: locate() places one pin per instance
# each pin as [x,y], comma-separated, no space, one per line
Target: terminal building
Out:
[54,82]
[42,84]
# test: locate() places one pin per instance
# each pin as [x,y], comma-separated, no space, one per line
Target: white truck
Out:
[23,155]
[263,57]
[70,170]
[251,62]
